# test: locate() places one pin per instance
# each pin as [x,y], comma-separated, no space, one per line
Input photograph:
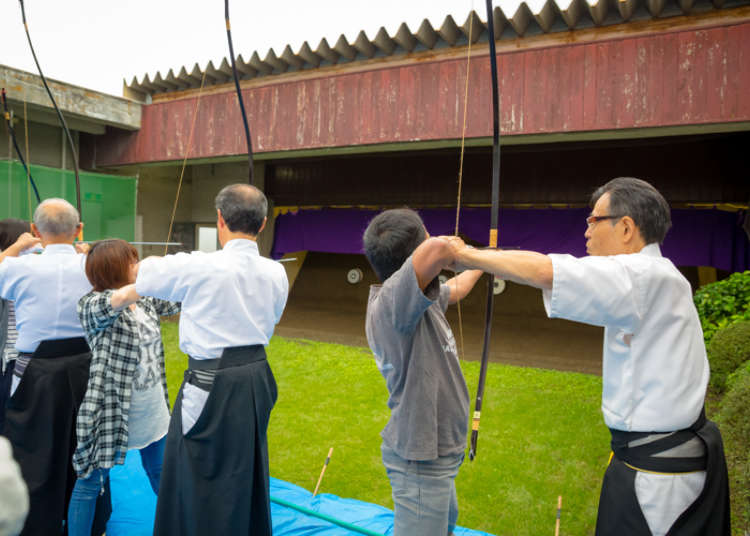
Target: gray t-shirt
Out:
[148,418]
[416,354]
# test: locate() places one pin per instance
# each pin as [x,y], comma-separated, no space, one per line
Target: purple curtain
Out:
[697,238]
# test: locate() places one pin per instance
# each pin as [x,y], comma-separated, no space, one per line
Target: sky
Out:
[98,43]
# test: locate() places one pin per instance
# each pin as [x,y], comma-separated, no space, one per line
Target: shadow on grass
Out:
[542,436]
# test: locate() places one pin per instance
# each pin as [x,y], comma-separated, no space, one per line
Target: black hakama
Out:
[40,423]
[5,380]
[619,510]
[215,478]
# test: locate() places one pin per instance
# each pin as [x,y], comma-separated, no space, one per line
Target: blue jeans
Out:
[83,500]
[424,494]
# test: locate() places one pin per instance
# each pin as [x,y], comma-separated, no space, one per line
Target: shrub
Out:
[729,348]
[734,420]
[723,303]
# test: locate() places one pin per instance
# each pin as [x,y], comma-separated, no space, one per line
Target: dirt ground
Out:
[323,306]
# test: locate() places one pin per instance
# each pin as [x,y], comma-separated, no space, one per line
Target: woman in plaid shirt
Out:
[126,404]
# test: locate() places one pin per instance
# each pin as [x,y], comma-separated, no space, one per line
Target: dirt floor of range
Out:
[323,306]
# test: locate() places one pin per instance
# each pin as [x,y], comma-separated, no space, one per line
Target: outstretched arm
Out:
[123,297]
[25,241]
[436,254]
[524,267]
[164,277]
[462,284]
[430,258]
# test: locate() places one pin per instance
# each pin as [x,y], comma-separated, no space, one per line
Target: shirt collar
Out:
[652,250]
[59,249]
[240,244]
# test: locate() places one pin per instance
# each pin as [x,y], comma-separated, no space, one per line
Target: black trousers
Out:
[215,478]
[40,424]
[5,380]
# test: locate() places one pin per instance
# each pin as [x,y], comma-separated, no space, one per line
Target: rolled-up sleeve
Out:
[404,301]
[95,311]
[593,290]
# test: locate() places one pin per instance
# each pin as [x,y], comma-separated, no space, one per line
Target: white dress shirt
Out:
[45,289]
[654,367]
[231,297]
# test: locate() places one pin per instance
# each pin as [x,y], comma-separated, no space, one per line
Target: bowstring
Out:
[461,173]
[184,161]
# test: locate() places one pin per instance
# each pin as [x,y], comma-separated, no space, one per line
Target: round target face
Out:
[354,276]
[498,286]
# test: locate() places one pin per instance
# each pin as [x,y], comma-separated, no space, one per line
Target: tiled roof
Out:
[579,14]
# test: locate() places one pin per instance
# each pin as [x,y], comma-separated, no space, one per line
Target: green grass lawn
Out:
[542,436]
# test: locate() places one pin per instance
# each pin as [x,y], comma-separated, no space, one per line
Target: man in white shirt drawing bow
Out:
[667,474]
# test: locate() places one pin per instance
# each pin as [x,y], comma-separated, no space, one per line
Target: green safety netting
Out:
[108,201]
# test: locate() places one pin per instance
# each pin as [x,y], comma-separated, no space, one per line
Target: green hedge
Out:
[734,421]
[729,348]
[724,310]
[723,303]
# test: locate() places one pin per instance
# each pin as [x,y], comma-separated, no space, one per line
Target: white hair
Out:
[56,217]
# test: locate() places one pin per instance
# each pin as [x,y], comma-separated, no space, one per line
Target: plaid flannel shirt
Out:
[114,338]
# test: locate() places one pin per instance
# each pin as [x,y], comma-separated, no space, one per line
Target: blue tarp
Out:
[133,505]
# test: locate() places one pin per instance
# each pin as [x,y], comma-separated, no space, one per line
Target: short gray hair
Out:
[243,208]
[56,217]
[642,202]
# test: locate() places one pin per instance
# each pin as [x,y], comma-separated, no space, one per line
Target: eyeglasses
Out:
[591,220]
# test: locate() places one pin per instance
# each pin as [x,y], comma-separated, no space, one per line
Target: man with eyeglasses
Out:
[667,474]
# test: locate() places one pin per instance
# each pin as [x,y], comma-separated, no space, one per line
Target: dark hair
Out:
[243,208]
[642,202]
[390,238]
[108,264]
[10,230]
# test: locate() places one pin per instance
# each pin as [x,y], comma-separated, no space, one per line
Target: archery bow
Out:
[495,213]
[239,93]
[12,134]
[59,116]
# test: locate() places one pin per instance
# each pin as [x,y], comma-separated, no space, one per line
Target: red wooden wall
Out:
[670,78]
